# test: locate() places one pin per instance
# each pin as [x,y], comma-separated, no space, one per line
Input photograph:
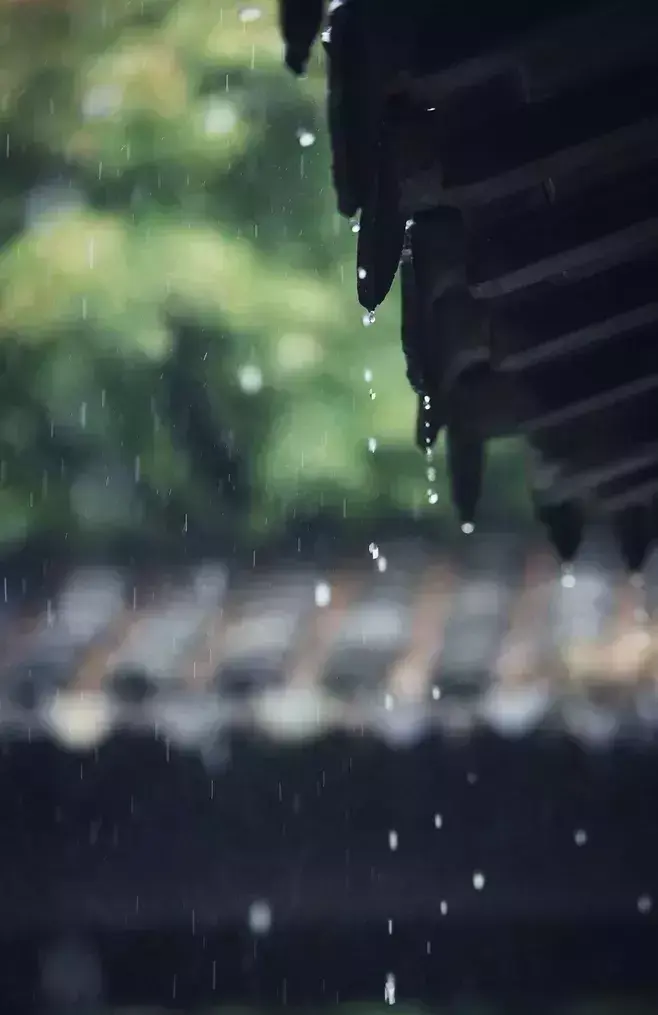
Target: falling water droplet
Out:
[389,989]
[438,821]
[393,840]
[248,15]
[361,272]
[368,319]
[645,904]
[478,881]
[382,564]
[580,837]
[354,225]
[568,578]
[306,138]
[260,917]
[436,693]
[322,594]
[373,550]
[372,444]
[443,907]
[367,376]
[468,528]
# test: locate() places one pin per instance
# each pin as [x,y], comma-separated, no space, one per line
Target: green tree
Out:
[181,344]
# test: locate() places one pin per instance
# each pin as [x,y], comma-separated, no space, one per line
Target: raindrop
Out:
[568,578]
[361,272]
[306,138]
[382,564]
[373,550]
[436,692]
[438,821]
[389,702]
[322,594]
[443,907]
[580,837]
[389,989]
[354,225]
[250,379]
[390,926]
[468,528]
[471,778]
[367,376]
[478,881]
[248,15]
[326,36]
[372,444]
[260,917]
[220,118]
[393,840]
[372,394]
[432,496]
[368,319]
[645,904]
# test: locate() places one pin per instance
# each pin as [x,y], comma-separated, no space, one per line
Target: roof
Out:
[506,159]
[400,641]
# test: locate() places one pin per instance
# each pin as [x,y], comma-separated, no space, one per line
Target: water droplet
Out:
[390,926]
[306,138]
[373,550]
[580,837]
[322,594]
[372,394]
[645,904]
[372,444]
[432,496]
[431,474]
[260,917]
[436,693]
[443,907]
[326,36]
[250,379]
[367,376]
[438,821]
[389,989]
[468,528]
[478,881]
[361,272]
[248,15]
[368,319]
[354,225]
[393,840]
[389,702]
[568,578]
[471,778]
[220,118]
[382,564]
[409,224]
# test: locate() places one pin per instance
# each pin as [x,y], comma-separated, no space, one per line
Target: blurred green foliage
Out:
[181,348]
